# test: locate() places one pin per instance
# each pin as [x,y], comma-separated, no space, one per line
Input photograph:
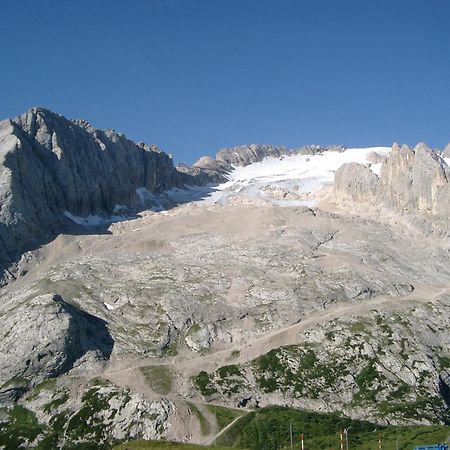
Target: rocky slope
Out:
[413,181]
[55,172]
[244,155]
[58,174]
[299,307]
[145,328]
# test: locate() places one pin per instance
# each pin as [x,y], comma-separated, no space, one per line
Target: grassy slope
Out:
[268,429]
[161,445]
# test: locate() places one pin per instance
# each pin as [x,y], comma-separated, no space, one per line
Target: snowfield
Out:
[285,181]
[290,180]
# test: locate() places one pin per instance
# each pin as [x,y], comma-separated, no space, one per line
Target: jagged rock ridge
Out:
[55,171]
[51,166]
[244,155]
[262,303]
[414,181]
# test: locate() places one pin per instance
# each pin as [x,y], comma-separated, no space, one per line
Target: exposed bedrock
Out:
[50,165]
[45,337]
[246,154]
[412,180]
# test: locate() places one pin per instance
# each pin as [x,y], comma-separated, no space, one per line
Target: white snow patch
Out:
[145,195]
[119,208]
[376,168]
[297,177]
[288,181]
[93,220]
[109,307]
[149,200]
[447,160]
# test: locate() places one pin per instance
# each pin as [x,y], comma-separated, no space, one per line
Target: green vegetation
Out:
[268,429]
[84,423]
[17,382]
[56,403]
[203,382]
[365,379]
[171,349]
[358,327]
[98,381]
[297,368]
[227,379]
[444,362]
[230,379]
[263,429]
[22,427]
[195,328]
[224,416]
[22,430]
[204,424]
[161,445]
[313,372]
[47,385]
[159,378]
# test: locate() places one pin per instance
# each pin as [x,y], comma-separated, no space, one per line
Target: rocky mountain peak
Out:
[55,169]
[415,179]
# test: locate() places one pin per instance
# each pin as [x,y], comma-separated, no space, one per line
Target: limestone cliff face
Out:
[247,154]
[356,181]
[411,180]
[50,165]
[416,179]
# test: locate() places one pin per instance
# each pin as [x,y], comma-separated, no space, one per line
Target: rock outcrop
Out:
[247,154]
[357,181]
[44,337]
[446,151]
[52,168]
[123,335]
[375,158]
[416,179]
[412,180]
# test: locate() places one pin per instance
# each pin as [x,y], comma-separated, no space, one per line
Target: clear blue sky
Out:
[193,76]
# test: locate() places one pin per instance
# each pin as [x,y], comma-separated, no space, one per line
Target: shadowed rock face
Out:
[45,336]
[415,180]
[49,165]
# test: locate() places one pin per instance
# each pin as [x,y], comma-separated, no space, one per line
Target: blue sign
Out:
[432,447]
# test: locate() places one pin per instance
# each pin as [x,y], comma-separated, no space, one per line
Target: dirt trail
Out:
[183,367]
[186,366]
[212,439]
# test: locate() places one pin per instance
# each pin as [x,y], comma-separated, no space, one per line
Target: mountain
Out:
[148,301]
[57,174]
[413,181]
